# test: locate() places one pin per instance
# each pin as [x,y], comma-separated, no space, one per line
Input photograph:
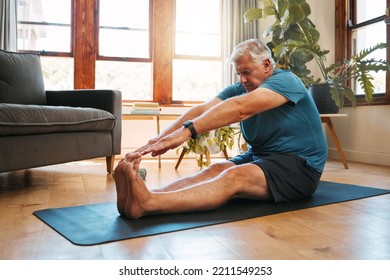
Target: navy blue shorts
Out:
[288,176]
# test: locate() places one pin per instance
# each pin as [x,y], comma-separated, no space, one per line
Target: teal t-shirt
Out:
[293,128]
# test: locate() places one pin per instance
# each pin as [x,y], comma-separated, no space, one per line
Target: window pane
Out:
[124,28]
[44,25]
[196,80]
[43,38]
[198,29]
[370,9]
[132,78]
[57,72]
[198,44]
[198,34]
[366,38]
[133,44]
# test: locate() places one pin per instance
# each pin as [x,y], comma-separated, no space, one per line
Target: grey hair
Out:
[257,50]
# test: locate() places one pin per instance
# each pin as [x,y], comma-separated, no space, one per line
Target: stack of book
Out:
[145,108]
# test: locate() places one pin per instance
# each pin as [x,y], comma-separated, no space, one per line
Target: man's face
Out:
[251,74]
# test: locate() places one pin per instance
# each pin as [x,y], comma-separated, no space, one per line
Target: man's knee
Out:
[247,174]
[219,167]
[233,173]
[248,181]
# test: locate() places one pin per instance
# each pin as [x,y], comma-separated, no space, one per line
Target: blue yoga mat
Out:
[100,223]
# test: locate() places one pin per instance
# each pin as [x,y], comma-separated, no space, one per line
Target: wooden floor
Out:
[352,230]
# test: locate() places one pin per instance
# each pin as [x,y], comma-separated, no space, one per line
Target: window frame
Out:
[115,58]
[54,53]
[191,57]
[345,24]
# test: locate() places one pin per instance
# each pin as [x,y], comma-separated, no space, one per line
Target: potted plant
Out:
[294,43]
[211,142]
[291,25]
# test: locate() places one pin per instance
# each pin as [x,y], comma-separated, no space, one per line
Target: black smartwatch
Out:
[190,126]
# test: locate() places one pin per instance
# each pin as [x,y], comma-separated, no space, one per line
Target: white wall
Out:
[323,16]
[364,134]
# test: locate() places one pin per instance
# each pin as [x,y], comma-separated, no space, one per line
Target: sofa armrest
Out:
[108,100]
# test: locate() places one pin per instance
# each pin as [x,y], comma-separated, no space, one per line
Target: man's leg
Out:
[247,181]
[202,176]
[121,186]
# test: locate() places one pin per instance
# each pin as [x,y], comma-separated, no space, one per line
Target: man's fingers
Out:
[133,156]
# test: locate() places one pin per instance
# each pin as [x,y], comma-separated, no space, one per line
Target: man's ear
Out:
[267,62]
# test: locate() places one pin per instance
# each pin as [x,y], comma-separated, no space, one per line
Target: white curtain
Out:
[234,31]
[8,24]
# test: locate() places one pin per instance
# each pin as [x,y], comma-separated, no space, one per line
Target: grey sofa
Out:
[39,128]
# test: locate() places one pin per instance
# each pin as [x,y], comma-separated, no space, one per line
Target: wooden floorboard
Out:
[355,230]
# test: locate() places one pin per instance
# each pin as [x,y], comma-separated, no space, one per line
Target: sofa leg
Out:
[110,163]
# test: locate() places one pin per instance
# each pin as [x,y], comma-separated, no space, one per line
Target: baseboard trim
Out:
[362,156]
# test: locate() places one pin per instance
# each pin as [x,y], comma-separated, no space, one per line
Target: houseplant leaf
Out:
[253,14]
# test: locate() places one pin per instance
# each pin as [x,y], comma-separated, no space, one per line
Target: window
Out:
[45,26]
[167,51]
[367,30]
[124,28]
[124,53]
[197,66]
[363,27]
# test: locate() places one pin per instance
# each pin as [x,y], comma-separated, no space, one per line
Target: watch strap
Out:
[190,126]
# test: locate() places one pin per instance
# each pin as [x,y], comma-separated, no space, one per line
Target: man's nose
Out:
[243,80]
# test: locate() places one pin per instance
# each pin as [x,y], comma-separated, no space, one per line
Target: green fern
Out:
[359,68]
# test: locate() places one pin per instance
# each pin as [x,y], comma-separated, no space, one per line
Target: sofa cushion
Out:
[21,79]
[18,119]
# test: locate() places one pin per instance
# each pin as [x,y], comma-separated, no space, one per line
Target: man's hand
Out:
[160,146]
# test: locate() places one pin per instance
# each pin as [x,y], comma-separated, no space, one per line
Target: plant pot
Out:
[211,146]
[323,99]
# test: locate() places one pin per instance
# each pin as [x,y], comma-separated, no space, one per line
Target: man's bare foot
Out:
[121,187]
[138,196]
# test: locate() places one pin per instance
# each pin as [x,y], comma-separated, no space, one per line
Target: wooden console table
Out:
[326,118]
